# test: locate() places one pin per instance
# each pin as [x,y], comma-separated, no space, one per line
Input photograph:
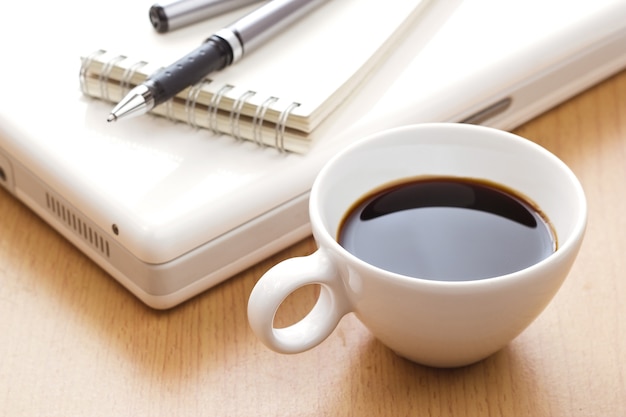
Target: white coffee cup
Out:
[436,323]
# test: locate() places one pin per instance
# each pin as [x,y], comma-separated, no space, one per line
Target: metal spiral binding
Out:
[84,68]
[281,125]
[103,78]
[190,102]
[169,110]
[235,113]
[214,107]
[127,76]
[259,117]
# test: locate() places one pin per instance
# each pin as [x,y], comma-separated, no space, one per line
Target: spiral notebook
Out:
[281,93]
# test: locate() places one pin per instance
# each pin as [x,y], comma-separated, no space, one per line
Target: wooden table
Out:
[75,343]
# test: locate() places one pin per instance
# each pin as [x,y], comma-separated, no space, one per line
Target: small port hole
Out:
[3,175]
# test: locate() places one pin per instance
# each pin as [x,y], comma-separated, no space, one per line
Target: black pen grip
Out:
[212,55]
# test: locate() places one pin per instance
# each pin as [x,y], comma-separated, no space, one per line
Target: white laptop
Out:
[170,212]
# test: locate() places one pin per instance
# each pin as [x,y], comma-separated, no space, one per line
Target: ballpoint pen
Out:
[225,47]
[171,15]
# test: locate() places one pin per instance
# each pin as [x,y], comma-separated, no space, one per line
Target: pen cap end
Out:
[158,18]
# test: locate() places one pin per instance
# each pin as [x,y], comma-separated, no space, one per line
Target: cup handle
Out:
[282,280]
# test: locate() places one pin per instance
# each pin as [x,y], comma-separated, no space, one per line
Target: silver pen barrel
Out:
[255,28]
[172,15]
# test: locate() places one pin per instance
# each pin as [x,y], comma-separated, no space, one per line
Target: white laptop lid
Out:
[170,211]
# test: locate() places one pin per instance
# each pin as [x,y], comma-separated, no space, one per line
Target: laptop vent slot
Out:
[77,224]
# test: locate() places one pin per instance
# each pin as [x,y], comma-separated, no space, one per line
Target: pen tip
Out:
[111,118]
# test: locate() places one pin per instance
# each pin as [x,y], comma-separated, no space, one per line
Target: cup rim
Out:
[327,240]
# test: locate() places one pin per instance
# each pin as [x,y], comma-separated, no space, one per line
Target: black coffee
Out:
[447,229]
